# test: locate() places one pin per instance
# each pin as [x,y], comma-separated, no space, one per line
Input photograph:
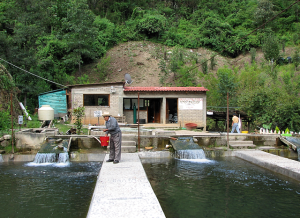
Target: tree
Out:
[213,61]
[270,47]
[79,113]
[79,34]
[204,65]
[226,87]
[226,82]
[253,54]
[264,12]
[296,58]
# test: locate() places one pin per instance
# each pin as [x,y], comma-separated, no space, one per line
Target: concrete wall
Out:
[184,115]
[33,138]
[115,106]
[221,139]
[116,97]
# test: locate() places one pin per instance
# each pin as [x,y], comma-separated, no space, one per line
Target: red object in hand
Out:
[104,140]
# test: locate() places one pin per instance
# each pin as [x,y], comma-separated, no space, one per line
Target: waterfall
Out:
[190,154]
[53,151]
[63,158]
[51,158]
[45,158]
[1,158]
[298,150]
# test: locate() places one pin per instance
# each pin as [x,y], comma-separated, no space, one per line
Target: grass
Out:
[63,127]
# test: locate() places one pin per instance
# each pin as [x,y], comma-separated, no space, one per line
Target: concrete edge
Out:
[286,171]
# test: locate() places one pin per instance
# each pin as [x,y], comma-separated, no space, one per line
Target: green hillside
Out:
[226,46]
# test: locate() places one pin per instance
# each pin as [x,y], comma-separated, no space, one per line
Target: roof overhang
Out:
[165,89]
[97,84]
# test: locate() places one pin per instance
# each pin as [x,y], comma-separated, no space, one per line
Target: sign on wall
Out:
[97,113]
[190,103]
[20,119]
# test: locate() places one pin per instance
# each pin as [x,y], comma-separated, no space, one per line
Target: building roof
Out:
[53,91]
[165,89]
[97,84]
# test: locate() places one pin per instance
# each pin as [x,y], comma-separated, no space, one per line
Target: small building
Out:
[57,99]
[159,105]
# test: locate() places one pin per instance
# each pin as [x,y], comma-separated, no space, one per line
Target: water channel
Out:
[47,190]
[221,187]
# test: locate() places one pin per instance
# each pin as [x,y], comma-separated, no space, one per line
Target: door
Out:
[154,111]
[172,112]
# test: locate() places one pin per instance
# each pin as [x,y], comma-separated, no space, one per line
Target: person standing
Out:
[115,141]
[235,124]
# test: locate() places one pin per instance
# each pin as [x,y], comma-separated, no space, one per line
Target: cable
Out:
[32,73]
[247,34]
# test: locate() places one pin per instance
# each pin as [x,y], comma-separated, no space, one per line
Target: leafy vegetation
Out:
[57,41]
[5,120]
[78,113]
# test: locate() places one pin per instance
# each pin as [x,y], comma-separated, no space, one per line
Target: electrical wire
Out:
[32,73]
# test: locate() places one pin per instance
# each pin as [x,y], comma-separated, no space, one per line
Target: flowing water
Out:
[221,187]
[190,154]
[47,190]
[184,143]
[52,153]
[49,158]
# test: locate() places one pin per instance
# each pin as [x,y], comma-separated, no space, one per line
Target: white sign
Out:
[97,113]
[190,103]
[20,119]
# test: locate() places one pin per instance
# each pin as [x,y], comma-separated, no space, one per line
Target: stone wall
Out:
[5,140]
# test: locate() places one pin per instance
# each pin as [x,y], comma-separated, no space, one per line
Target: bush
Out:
[152,25]
[5,120]
[79,114]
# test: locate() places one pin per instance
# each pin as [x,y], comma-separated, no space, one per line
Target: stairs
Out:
[241,144]
[128,143]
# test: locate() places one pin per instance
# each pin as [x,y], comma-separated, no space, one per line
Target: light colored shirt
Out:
[235,119]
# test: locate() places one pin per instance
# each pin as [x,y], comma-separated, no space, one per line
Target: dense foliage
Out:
[265,98]
[55,38]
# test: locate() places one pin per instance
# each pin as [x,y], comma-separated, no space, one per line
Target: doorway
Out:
[171,110]
[154,110]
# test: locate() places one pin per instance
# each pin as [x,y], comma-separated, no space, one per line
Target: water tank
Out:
[46,113]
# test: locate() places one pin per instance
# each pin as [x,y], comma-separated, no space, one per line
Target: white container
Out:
[46,113]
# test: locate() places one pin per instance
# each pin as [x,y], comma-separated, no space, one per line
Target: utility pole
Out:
[12,124]
[227,120]
[139,122]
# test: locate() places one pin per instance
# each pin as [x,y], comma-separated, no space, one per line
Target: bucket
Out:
[104,140]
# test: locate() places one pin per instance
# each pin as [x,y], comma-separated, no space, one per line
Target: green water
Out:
[47,190]
[222,187]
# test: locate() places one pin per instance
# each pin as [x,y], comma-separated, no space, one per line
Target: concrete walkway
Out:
[284,166]
[123,190]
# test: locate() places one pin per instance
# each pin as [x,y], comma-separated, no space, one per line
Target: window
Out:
[129,103]
[96,100]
